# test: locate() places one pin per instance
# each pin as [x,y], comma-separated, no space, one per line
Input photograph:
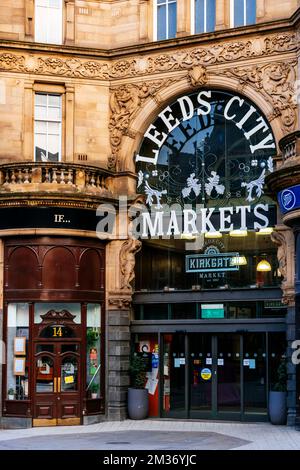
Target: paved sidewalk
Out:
[155,435]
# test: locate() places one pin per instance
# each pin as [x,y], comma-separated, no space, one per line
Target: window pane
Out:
[172,20]
[40,99]
[40,127]
[53,129]
[54,26]
[44,374]
[210,15]
[17,327]
[161,23]
[238,13]
[199,16]
[54,114]
[40,24]
[54,100]
[251,11]
[40,112]
[93,316]
[48,21]
[40,148]
[47,111]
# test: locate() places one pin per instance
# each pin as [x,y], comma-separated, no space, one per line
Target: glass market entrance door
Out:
[57,383]
[221,376]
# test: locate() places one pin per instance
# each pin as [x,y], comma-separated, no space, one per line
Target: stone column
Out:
[283,237]
[291,335]
[69,123]
[120,260]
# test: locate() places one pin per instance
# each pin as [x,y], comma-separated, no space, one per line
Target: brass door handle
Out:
[55,385]
[58,388]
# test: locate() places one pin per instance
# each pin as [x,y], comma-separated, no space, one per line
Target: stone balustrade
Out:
[290,146]
[39,176]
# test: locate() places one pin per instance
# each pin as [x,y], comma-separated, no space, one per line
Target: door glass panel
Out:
[44,348]
[255,373]
[228,373]
[277,350]
[174,373]
[200,372]
[44,374]
[69,348]
[69,374]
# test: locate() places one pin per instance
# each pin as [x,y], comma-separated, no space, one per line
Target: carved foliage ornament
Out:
[275,82]
[181,60]
[125,100]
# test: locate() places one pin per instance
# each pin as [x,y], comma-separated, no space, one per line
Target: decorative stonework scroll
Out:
[184,59]
[125,101]
[276,83]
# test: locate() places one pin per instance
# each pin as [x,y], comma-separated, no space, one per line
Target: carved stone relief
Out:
[276,83]
[283,237]
[133,67]
[125,101]
[127,262]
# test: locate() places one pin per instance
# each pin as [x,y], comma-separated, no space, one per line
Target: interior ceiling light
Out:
[238,233]
[265,231]
[239,261]
[263,266]
[213,235]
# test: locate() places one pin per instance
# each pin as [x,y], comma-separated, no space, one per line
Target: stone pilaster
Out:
[120,256]
[291,335]
[2,346]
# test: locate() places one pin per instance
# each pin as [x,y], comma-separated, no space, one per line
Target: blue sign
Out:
[215,262]
[289,199]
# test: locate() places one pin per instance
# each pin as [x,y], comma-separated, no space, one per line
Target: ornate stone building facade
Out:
[113,78]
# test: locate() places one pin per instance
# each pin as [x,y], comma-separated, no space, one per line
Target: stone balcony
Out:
[56,180]
[287,172]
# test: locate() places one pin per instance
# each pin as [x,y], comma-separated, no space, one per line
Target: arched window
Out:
[209,217]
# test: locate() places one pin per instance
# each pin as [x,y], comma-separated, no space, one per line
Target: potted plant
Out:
[138,400]
[92,337]
[94,390]
[11,394]
[277,396]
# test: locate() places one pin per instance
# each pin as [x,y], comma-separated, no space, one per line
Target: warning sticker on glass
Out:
[206,374]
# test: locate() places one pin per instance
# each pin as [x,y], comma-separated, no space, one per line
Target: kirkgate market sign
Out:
[209,152]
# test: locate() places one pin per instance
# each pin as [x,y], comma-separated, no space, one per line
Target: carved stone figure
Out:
[279,239]
[127,261]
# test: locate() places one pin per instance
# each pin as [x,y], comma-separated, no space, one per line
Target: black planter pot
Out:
[138,403]
[277,407]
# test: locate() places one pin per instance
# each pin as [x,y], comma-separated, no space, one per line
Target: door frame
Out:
[214,413]
[57,421]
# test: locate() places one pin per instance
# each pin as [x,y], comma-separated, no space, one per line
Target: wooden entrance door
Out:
[57,383]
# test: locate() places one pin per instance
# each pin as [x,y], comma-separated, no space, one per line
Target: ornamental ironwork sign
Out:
[211,149]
